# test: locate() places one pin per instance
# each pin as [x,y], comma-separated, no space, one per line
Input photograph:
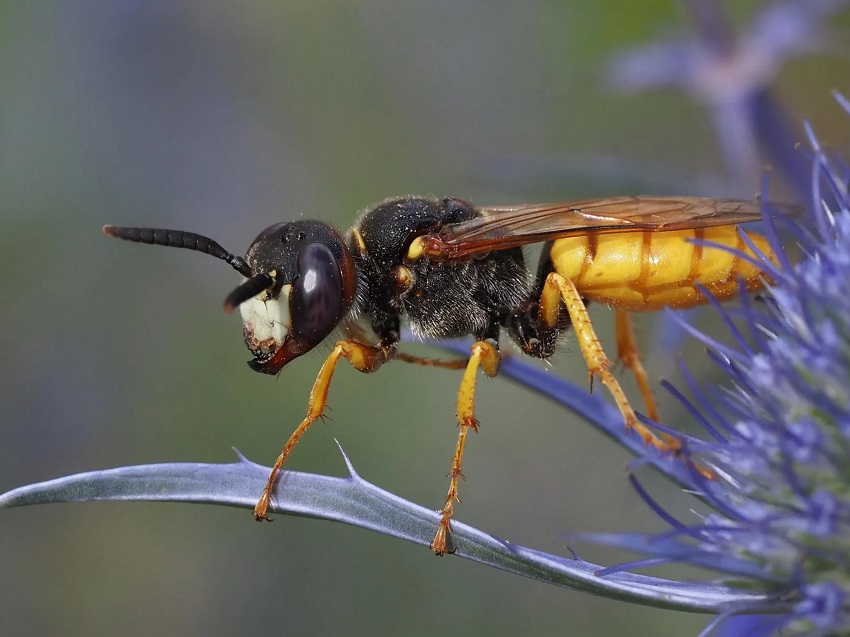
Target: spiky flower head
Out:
[779,505]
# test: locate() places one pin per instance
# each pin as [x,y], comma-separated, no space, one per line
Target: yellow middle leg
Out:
[486,356]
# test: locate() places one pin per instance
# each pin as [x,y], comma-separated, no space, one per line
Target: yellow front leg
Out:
[486,356]
[363,358]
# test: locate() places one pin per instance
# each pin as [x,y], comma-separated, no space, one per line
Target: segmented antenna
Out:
[248,290]
[179,239]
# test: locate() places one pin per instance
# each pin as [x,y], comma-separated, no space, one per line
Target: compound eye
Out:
[315,301]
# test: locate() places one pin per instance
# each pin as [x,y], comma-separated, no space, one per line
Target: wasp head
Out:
[300,290]
[299,283]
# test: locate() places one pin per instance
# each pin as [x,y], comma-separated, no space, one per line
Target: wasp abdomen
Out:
[646,271]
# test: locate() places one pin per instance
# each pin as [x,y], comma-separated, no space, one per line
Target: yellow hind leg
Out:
[557,288]
[629,355]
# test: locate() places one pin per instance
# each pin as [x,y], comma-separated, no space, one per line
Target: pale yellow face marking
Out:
[266,318]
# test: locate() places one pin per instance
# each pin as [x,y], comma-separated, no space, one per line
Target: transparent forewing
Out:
[508,227]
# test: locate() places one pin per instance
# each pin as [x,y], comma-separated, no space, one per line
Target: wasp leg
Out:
[432,362]
[628,353]
[485,354]
[558,287]
[363,358]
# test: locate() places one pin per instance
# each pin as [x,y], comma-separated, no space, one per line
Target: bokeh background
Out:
[226,117]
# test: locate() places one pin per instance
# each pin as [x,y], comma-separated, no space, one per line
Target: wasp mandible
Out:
[449,269]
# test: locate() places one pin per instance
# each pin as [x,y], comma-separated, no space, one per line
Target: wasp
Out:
[450,269]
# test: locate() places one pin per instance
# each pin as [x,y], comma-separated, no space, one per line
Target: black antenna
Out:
[248,290]
[179,239]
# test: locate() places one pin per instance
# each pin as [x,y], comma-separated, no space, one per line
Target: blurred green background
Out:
[224,118]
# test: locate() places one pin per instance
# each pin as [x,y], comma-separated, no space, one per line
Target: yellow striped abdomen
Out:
[645,271]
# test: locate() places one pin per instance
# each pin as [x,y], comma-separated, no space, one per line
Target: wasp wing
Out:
[512,226]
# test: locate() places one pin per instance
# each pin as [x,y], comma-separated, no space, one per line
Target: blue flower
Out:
[779,508]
